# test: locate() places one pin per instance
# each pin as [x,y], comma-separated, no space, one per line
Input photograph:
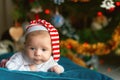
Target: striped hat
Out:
[43,25]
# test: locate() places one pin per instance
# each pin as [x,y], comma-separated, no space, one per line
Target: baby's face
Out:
[38,47]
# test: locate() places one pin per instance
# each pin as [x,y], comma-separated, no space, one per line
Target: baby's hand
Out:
[32,67]
[56,69]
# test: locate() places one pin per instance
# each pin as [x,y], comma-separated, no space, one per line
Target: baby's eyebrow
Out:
[29,45]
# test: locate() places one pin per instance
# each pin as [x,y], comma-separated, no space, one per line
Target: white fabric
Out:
[20,62]
[35,28]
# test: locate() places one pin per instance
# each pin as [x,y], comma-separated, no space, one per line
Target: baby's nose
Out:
[38,53]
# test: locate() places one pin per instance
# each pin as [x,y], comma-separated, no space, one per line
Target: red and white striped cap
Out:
[44,25]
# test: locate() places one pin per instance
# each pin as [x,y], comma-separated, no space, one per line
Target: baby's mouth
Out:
[37,59]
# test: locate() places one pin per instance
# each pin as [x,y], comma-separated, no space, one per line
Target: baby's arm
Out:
[58,69]
[53,66]
[16,63]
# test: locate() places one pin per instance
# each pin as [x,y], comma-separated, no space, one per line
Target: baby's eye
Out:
[43,49]
[32,48]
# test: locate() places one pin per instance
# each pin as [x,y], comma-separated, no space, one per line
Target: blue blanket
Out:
[72,72]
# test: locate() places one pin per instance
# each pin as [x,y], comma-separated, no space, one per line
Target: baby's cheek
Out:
[30,55]
[46,58]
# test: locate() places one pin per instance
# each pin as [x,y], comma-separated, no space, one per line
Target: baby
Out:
[41,51]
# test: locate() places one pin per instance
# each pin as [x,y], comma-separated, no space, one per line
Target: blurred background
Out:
[89,29]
